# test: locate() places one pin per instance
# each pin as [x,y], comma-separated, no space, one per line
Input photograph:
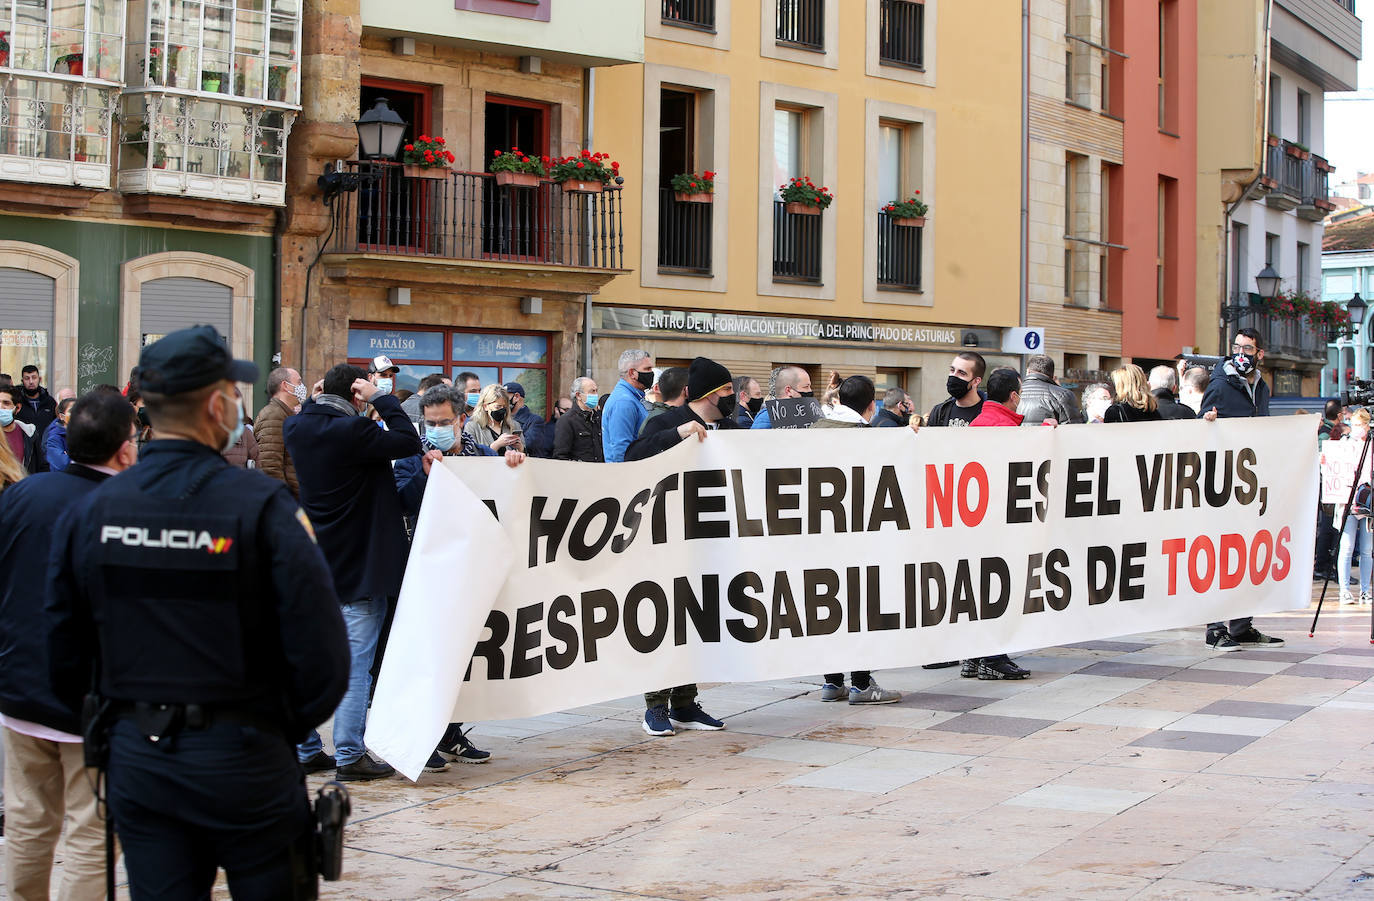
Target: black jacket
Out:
[886,419]
[28,516]
[1229,392]
[40,411]
[660,434]
[1124,412]
[537,432]
[1169,407]
[578,437]
[34,459]
[939,414]
[343,464]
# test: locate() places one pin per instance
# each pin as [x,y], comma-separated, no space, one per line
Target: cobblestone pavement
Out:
[1146,767]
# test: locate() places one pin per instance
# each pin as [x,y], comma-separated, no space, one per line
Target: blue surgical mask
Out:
[473,399]
[383,386]
[237,431]
[6,417]
[591,400]
[441,437]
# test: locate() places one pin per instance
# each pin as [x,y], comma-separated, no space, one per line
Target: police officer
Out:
[192,593]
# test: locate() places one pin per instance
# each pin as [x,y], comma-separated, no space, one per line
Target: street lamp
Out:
[1356,308]
[1268,282]
[380,131]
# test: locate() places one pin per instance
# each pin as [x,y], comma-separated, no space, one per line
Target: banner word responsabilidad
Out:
[776,554]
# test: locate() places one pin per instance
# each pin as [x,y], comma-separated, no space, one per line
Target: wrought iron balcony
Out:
[901,33]
[684,235]
[899,254]
[1316,193]
[801,22]
[1283,337]
[467,216]
[700,14]
[796,246]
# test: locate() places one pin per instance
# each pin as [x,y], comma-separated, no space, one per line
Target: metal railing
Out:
[1315,181]
[684,234]
[801,22]
[796,245]
[1348,5]
[467,216]
[901,33]
[690,13]
[899,254]
[1283,336]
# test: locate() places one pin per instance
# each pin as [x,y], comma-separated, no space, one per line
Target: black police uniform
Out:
[196,591]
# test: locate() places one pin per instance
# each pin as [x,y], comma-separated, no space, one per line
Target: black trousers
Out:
[229,796]
[860,678]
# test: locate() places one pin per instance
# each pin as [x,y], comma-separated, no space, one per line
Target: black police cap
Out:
[189,359]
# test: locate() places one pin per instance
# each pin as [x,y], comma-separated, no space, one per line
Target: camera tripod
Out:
[1345,515]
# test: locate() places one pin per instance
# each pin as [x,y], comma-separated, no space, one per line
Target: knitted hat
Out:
[704,377]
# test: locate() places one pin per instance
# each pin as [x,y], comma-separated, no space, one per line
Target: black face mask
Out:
[726,406]
[645,379]
[1244,363]
[755,405]
[806,394]
[143,418]
[956,386]
[497,415]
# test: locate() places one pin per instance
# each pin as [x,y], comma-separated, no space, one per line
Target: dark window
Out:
[802,22]
[901,33]
[899,254]
[514,219]
[684,228]
[796,245]
[690,14]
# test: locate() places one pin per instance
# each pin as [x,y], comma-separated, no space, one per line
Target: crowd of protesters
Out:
[357,455]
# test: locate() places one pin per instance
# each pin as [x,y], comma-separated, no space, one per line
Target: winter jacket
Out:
[578,437]
[886,419]
[1124,412]
[244,450]
[1169,407]
[537,434]
[38,411]
[33,446]
[621,416]
[1232,395]
[411,479]
[343,463]
[661,432]
[994,414]
[1042,398]
[486,435]
[273,458]
[28,517]
[55,446]
[411,406]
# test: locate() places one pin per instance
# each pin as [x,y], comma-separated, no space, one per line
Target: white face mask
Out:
[300,391]
[1098,409]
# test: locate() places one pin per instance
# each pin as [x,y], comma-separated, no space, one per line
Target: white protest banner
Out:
[775,554]
[1338,461]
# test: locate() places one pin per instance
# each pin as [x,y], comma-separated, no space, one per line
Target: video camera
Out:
[1359,394]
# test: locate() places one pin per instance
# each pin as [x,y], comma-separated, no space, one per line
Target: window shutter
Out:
[170,304]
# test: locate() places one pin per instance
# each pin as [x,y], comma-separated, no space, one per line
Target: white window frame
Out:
[65,272]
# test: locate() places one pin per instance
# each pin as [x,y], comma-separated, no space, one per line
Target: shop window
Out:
[27,307]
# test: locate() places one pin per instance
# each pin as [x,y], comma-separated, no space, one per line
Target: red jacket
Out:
[994,413]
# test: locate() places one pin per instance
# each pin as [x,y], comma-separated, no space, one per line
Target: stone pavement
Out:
[1147,767]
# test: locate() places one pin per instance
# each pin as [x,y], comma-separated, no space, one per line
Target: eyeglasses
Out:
[1244,348]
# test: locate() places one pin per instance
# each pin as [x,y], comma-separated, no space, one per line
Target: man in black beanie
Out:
[710,405]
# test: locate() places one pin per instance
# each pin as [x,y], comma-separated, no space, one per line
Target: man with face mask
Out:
[787,382]
[382,373]
[199,589]
[578,433]
[710,405]
[896,411]
[748,400]
[965,401]
[1097,397]
[286,391]
[623,412]
[343,462]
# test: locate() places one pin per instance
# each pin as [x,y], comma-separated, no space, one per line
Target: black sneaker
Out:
[945,665]
[968,669]
[436,764]
[1254,638]
[456,747]
[1000,667]
[318,763]
[694,717]
[363,769]
[1220,641]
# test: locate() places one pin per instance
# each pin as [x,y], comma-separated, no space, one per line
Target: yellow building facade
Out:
[874,100]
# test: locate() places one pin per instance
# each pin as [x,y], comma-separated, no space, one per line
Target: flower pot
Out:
[577,186]
[909,221]
[797,208]
[686,197]
[1273,140]
[517,179]
[210,83]
[437,173]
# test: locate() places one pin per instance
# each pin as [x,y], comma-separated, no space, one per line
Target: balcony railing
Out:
[684,234]
[1282,337]
[802,22]
[899,254]
[901,33]
[467,216]
[690,13]
[796,246]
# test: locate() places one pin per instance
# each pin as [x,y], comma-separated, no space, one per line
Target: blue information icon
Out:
[1032,340]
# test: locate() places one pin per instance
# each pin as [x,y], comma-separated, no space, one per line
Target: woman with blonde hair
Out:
[11,470]
[1134,400]
[491,423]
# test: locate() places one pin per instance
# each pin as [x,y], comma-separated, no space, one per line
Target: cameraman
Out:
[1237,389]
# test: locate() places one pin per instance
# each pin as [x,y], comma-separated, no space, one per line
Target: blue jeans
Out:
[1355,538]
[363,619]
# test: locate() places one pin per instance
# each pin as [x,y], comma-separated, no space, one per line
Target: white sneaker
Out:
[1365,597]
[1347,597]
[873,694]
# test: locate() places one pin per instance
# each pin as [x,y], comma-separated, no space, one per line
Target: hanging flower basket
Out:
[426,157]
[578,186]
[438,173]
[517,179]
[797,208]
[910,222]
[685,197]
[693,188]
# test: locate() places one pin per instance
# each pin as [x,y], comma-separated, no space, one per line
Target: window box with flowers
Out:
[515,169]
[1324,318]
[803,198]
[693,188]
[585,173]
[4,48]
[910,213]
[427,158]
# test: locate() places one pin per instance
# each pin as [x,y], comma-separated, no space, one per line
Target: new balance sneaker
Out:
[1347,597]
[873,694]
[694,718]
[1254,638]
[436,763]
[832,692]
[456,747]
[1220,641]
[318,763]
[656,721]
[363,769]
[968,669]
[1000,667]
